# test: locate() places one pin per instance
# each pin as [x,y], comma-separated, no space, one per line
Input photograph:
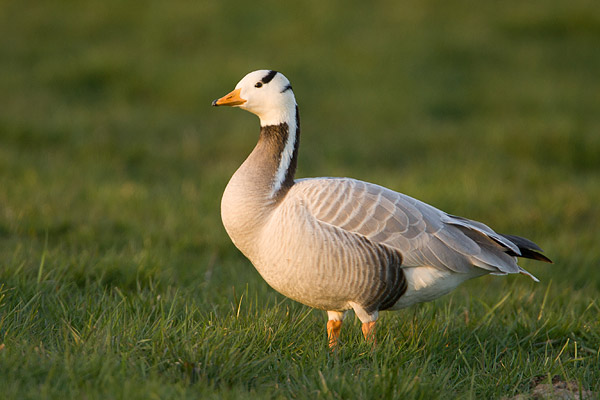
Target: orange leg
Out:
[333,332]
[368,329]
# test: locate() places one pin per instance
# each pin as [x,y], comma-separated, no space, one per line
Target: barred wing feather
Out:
[424,235]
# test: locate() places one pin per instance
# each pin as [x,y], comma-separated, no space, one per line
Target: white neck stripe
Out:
[286,155]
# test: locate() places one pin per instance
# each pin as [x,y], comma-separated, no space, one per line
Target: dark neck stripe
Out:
[274,138]
[267,78]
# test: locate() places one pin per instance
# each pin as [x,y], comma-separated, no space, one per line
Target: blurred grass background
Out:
[112,165]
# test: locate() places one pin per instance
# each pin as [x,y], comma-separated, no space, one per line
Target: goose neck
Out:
[278,147]
[262,181]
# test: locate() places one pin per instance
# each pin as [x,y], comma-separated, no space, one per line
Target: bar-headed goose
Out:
[339,243]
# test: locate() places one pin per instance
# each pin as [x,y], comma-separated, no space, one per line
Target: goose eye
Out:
[258,85]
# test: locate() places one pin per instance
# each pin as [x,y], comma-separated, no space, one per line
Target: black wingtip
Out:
[522,242]
[527,247]
[534,255]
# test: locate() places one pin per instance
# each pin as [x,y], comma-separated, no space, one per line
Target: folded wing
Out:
[423,234]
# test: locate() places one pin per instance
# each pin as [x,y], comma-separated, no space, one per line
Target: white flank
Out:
[286,156]
[428,283]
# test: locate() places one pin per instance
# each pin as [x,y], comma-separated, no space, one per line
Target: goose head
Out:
[266,93]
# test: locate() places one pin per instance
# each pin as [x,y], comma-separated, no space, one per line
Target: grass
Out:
[117,279]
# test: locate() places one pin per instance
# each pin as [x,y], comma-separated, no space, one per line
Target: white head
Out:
[265,93]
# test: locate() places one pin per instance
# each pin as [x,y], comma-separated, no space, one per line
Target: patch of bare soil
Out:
[557,390]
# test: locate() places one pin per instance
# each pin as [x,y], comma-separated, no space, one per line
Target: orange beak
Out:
[231,99]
